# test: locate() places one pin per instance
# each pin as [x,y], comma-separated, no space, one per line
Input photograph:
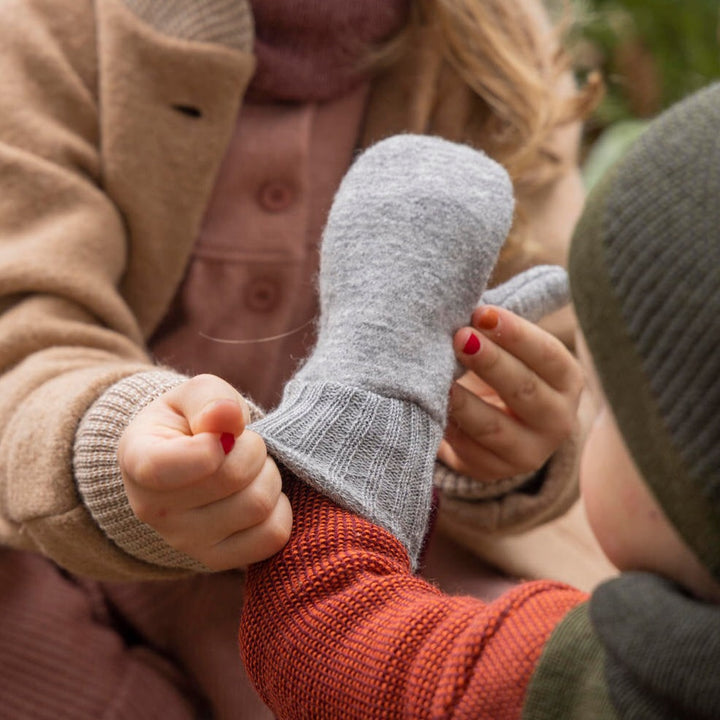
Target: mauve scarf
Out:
[311,50]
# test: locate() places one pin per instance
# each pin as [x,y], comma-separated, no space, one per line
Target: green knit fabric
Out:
[639,648]
[569,681]
[662,648]
[644,279]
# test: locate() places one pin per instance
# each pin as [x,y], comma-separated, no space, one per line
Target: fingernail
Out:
[472,344]
[227,440]
[488,319]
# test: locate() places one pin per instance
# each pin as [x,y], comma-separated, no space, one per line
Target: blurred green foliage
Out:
[651,52]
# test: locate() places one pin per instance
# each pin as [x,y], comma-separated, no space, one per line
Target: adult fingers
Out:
[242,510]
[522,388]
[532,345]
[481,464]
[235,547]
[205,526]
[490,442]
[239,548]
[154,462]
[254,544]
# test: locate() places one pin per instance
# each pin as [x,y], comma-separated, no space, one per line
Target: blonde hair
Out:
[502,81]
[514,62]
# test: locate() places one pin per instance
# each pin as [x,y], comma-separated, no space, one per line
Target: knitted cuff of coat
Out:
[510,505]
[412,237]
[97,473]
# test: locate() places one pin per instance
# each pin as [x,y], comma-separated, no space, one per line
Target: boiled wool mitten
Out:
[412,237]
[533,293]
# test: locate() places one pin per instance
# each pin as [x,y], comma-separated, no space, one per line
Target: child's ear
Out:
[532,294]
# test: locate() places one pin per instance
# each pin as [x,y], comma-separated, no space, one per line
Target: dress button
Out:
[262,294]
[276,196]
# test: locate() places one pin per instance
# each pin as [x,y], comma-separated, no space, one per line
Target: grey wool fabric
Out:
[644,275]
[412,237]
[533,293]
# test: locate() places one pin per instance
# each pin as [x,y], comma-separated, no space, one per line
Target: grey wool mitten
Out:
[532,294]
[412,237]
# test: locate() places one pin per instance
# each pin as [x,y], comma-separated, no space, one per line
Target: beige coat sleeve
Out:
[99,206]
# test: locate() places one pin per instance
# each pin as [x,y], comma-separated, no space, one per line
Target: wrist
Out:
[97,472]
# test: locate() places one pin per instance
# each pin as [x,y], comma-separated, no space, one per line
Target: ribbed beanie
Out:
[645,280]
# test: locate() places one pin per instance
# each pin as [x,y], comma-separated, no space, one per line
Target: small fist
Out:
[202,481]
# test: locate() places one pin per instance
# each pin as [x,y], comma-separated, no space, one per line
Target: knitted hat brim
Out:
[625,384]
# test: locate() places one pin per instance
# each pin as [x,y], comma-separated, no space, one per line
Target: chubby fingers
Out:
[175,440]
[230,518]
[209,405]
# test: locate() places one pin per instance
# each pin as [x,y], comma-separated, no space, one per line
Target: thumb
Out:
[211,405]
[532,294]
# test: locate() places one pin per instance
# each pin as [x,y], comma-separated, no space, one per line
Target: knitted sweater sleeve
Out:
[337,626]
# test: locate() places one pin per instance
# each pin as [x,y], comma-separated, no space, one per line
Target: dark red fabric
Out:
[77,649]
[313,49]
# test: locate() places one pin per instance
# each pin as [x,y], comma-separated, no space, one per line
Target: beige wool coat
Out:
[114,119]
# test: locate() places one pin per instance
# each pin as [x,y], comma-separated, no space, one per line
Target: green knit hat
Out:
[645,280]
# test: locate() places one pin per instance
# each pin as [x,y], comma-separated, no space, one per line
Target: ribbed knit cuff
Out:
[514,504]
[371,454]
[464,487]
[97,473]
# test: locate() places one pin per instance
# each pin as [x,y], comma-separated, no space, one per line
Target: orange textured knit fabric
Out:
[337,626]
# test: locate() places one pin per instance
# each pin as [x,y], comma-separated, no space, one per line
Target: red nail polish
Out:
[227,440]
[472,345]
[489,319]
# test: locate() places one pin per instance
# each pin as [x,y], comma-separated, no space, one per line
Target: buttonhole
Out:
[189,110]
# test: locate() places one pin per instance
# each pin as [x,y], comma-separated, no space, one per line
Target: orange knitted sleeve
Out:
[337,626]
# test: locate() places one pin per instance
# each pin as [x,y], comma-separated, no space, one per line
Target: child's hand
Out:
[517,403]
[225,510]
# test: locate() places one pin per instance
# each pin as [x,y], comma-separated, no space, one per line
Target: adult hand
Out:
[201,480]
[516,404]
